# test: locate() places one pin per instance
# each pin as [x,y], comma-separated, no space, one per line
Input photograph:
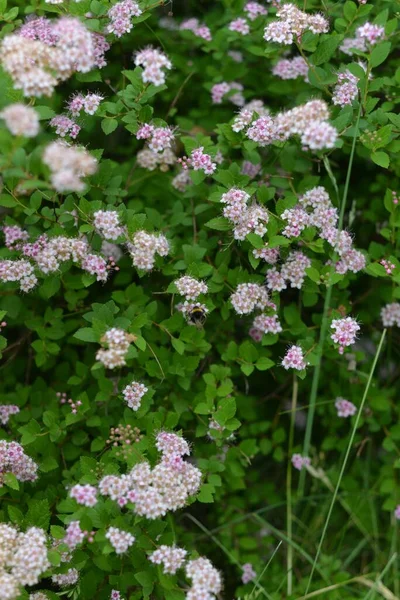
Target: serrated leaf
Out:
[381,159]
[219,223]
[109,125]
[11,481]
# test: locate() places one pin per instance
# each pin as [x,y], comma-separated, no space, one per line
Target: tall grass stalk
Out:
[346,458]
[289,488]
[327,302]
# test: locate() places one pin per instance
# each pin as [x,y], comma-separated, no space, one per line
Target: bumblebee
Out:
[197,315]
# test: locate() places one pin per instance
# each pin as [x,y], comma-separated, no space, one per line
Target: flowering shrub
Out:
[199,300]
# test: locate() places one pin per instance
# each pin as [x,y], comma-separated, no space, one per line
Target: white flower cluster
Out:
[133,394]
[171,557]
[246,218]
[153,62]
[107,224]
[292,23]
[21,119]
[14,460]
[66,579]
[247,113]
[68,164]
[316,209]
[145,246]
[293,271]
[248,297]
[120,540]
[206,580]
[42,53]
[390,315]
[150,160]
[156,491]
[23,559]
[117,342]
[190,287]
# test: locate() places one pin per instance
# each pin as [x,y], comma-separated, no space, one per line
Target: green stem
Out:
[346,458]
[324,324]
[289,488]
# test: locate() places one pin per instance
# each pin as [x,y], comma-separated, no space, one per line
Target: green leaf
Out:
[11,481]
[219,223]
[379,54]
[326,49]
[205,494]
[178,345]
[381,159]
[7,201]
[38,514]
[86,334]
[264,363]
[109,125]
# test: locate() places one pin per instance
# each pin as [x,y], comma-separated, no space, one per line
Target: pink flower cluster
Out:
[240,25]
[88,103]
[199,29]
[170,557]
[390,315]
[198,161]
[397,512]
[42,53]
[254,10]
[68,164]
[265,324]
[346,90]
[345,332]
[6,410]
[108,224]
[219,90]
[249,573]
[14,460]
[345,408]
[368,34]
[153,62]
[249,296]
[156,491]
[121,15]
[294,359]
[293,271]
[65,126]
[133,394]
[147,159]
[117,342]
[23,559]
[247,113]
[190,287]
[64,400]
[291,68]
[292,23]
[389,266]
[315,209]
[181,181]
[13,234]
[21,120]
[144,248]
[206,580]
[159,138]
[66,579]
[21,271]
[120,540]
[250,169]
[74,535]
[269,255]
[246,218]
[309,121]
[84,494]
[299,461]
